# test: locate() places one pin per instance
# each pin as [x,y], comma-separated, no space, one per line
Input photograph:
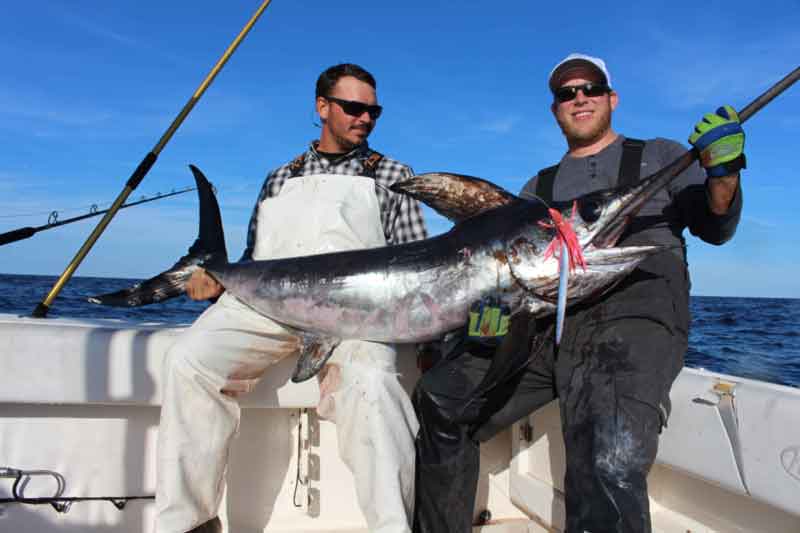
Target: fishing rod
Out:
[144,167]
[53,222]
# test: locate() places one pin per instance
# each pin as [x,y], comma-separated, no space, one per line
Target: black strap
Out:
[297,164]
[370,165]
[630,167]
[544,183]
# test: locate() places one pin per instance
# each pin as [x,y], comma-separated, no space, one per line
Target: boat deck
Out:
[81,398]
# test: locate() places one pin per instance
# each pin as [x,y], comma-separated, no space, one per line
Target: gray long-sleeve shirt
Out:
[683,204]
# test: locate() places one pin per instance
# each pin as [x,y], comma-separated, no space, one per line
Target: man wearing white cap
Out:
[618,355]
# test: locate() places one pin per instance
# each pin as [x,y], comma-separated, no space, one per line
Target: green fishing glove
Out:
[719,141]
[488,321]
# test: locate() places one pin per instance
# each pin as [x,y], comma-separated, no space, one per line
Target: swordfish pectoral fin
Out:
[315,350]
[208,249]
[454,196]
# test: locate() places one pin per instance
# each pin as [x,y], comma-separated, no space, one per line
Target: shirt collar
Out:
[362,151]
[616,144]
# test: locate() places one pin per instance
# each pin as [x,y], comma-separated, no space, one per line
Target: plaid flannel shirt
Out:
[401,215]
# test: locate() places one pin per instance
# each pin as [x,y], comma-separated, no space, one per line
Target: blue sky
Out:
[90,86]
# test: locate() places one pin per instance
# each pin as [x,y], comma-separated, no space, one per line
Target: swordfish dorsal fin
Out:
[209,248]
[454,196]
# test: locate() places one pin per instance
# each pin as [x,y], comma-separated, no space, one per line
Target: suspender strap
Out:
[630,166]
[371,164]
[297,164]
[544,183]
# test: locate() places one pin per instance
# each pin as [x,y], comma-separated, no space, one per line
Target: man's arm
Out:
[409,224]
[719,141]
[721,193]
[694,201]
[406,222]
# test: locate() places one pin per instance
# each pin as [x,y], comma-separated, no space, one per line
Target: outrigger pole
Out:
[144,167]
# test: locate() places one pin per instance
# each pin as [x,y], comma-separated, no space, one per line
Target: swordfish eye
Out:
[590,208]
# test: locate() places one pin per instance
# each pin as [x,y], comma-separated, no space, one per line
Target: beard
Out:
[350,143]
[587,134]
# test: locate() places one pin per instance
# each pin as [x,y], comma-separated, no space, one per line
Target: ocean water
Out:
[757,338]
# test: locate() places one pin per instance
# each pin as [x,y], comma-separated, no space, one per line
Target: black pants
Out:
[611,374]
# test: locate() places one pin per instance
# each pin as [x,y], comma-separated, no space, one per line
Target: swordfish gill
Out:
[500,244]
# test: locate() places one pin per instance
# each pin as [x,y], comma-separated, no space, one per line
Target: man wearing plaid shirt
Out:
[333,197]
[401,216]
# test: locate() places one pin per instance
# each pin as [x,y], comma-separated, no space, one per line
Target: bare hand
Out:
[201,286]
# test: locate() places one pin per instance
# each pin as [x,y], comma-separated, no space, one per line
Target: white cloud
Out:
[499,125]
[96,29]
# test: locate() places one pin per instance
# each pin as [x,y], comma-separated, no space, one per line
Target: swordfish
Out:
[415,292]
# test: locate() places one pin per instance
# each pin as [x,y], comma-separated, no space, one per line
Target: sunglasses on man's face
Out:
[356,109]
[590,90]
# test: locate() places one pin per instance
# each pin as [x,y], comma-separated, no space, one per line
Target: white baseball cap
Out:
[574,64]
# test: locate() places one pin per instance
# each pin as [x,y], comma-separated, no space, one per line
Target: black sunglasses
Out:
[590,90]
[356,109]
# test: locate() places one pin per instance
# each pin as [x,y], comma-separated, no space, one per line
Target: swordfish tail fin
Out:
[208,249]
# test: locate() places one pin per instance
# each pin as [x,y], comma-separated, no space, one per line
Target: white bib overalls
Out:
[230,346]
